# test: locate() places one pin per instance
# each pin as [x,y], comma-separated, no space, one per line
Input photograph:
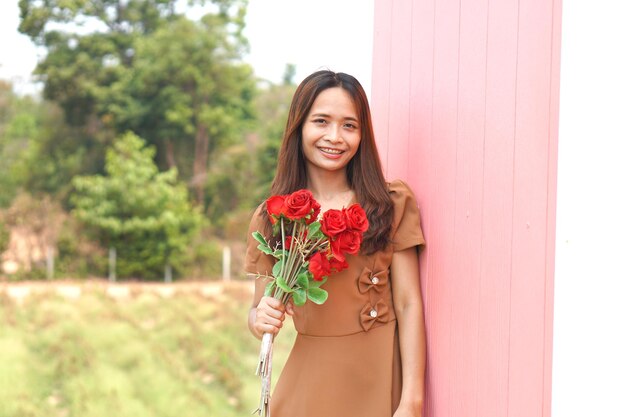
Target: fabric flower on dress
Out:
[379,313]
[369,280]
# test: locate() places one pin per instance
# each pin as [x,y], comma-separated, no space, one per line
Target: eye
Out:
[319,121]
[351,126]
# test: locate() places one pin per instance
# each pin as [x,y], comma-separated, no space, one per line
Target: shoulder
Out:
[406,226]
[400,193]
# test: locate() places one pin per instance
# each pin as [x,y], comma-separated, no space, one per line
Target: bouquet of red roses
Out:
[309,248]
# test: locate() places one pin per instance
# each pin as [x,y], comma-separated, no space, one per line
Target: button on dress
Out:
[345,360]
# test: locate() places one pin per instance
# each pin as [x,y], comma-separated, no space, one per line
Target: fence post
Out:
[49,262]
[112,264]
[226,263]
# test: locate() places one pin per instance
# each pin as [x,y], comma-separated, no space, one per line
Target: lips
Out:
[331,151]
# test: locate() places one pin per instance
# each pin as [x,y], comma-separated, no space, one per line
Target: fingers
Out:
[270,314]
[289,307]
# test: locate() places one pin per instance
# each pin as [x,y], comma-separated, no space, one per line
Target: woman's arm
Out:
[407,300]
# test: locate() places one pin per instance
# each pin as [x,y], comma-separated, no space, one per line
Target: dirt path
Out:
[73,289]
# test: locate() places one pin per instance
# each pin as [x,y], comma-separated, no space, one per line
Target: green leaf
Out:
[263,246]
[303,280]
[259,238]
[279,253]
[299,297]
[317,295]
[315,230]
[317,284]
[265,249]
[282,284]
[278,266]
[269,288]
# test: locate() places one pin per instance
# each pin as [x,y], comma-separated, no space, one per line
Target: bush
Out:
[143,213]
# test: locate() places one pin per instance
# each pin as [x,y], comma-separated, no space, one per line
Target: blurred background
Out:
[136,139]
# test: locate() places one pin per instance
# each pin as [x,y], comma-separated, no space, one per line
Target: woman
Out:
[361,353]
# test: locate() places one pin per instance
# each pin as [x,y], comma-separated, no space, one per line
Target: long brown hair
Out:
[365,174]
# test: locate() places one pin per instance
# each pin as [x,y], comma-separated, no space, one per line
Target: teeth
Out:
[328,150]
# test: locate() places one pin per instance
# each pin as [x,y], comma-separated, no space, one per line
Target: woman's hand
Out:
[269,316]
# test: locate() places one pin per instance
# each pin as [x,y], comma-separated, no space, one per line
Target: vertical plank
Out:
[466,250]
[420,133]
[441,199]
[529,209]
[420,121]
[555,70]
[381,75]
[399,106]
[495,287]
[494,329]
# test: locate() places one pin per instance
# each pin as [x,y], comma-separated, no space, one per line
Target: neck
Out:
[327,184]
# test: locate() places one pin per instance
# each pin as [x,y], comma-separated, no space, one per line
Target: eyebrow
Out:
[327,115]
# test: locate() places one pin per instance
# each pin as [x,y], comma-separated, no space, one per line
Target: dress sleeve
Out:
[406,228]
[256,261]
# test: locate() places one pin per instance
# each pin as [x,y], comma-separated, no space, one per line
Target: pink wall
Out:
[465,101]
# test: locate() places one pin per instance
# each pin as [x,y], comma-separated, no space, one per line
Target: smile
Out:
[331,150]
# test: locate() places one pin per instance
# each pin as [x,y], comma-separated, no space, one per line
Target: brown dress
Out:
[345,361]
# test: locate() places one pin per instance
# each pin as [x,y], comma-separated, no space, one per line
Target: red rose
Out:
[316,212]
[333,222]
[299,204]
[275,207]
[319,266]
[288,240]
[356,218]
[336,265]
[349,241]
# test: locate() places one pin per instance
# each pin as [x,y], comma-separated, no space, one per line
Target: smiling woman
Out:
[362,352]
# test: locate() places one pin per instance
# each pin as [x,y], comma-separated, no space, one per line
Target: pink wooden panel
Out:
[528,270]
[381,71]
[469,163]
[399,115]
[465,101]
[421,97]
[495,307]
[441,162]
[555,67]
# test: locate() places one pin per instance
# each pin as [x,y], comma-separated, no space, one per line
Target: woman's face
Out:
[331,132]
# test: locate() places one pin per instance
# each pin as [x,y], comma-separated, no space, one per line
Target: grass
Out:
[147,354]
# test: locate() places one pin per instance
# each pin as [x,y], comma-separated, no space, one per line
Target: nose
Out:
[333,134]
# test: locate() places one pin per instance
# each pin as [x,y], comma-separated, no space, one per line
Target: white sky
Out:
[310,34]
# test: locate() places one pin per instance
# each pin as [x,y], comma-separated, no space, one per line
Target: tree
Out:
[272,106]
[20,119]
[145,67]
[145,214]
[187,88]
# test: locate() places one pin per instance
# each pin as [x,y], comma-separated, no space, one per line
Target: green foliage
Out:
[229,186]
[19,124]
[142,356]
[186,89]
[272,106]
[78,256]
[202,259]
[145,214]
[5,236]
[178,84]
[38,151]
